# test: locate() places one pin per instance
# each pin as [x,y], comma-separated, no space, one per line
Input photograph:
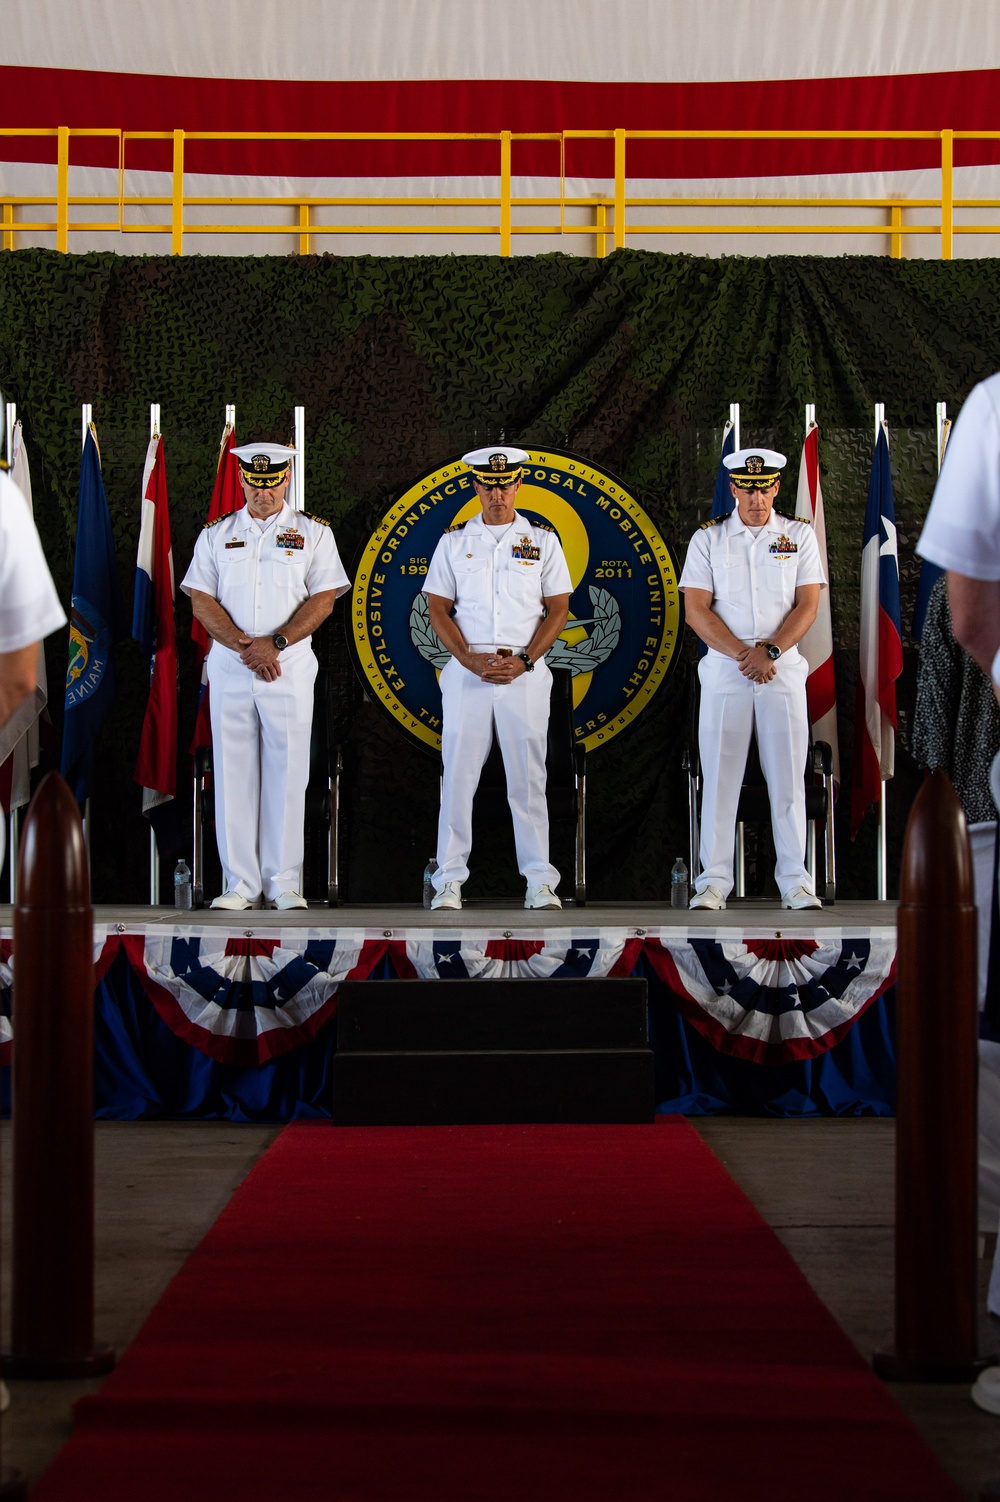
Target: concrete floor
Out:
[826,1187]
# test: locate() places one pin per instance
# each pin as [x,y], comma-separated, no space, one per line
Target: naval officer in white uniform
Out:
[508,584]
[751,584]
[261,581]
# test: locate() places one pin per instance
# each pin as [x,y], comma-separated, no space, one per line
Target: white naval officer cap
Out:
[497,465]
[754,469]
[263,465]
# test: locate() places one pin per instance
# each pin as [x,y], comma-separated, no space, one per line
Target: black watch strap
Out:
[529,666]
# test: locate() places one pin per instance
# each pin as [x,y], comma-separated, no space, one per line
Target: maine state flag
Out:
[96,622]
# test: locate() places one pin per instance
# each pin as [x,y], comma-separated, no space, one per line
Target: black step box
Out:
[430,1053]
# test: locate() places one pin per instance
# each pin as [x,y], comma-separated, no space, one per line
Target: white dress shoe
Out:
[232,902]
[710,898]
[449,897]
[800,898]
[287,900]
[543,897]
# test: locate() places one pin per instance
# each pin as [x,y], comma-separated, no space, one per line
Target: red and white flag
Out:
[19,738]
[226,497]
[153,626]
[817,644]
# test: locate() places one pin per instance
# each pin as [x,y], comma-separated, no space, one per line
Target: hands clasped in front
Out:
[493,669]
[260,655]
[755,664]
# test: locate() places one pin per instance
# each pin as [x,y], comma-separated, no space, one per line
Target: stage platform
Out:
[743,915]
[202,1013]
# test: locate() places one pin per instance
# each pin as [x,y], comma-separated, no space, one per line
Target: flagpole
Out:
[86,418]
[734,418]
[299,470]
[810,419]
[154,854]
[880,859]
[943,430]
[11,419]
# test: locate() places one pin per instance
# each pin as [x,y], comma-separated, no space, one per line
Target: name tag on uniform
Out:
[784,547]
[235,545]
[290,541]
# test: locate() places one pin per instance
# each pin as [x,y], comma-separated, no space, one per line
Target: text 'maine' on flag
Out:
[817,644]
[227,496]
[153,629]
[881,648]
[97,620]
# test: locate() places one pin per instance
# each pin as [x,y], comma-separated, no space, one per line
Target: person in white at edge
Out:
[261,580]
[962,535]
[29,611]
[508,583]
[751,584]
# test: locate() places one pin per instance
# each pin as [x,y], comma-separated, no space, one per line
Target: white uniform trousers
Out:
[260,759]
[520,711]
[731,706]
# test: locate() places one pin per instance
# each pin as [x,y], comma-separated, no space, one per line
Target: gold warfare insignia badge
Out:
[623,631]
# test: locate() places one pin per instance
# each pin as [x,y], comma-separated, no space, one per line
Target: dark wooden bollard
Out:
[52,1315]
[936,1130]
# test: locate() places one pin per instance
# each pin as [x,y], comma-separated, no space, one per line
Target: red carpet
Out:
[491,1312]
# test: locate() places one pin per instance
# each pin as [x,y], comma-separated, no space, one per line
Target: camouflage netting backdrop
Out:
[400,362]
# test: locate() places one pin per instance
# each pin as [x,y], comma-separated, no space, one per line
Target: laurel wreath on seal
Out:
[582,658]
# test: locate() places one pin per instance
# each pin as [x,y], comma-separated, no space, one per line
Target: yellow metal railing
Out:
[610,215]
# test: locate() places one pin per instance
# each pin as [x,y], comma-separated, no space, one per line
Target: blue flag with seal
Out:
[97,621]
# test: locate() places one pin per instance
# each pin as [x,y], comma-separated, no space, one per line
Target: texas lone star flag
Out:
[881,650]
[153,629]
[817,644]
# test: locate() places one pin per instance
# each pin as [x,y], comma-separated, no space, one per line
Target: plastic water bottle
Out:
[678,884]
[182,884]
[429,870]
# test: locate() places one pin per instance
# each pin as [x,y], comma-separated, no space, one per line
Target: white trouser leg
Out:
[782,721]
[725,725]
[466,735]
[235,771]
[521,713]
[285,709]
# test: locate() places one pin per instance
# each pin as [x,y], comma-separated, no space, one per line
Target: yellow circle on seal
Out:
[625,617]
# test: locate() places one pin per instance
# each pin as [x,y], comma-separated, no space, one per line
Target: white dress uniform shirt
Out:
[498,587]
[498,583]
[29,605]
[752,580]
[962,531]
[260,573]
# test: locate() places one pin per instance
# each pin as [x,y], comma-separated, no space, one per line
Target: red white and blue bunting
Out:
[247,999]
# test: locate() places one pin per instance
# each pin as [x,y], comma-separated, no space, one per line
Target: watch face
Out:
[281,642]
[774,653]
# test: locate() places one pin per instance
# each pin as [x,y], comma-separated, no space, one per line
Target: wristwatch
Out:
[281,642]
[772,651]
[529,666]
